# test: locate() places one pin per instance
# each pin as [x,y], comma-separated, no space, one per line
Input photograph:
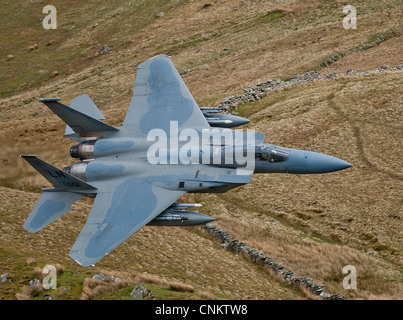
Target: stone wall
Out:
[263,88]
[267,262]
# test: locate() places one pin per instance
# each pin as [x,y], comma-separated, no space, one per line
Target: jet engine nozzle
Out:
[84,150]
[78,170]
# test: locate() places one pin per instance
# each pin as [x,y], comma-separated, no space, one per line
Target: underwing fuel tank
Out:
[177,216]
[216,118]
[226,120]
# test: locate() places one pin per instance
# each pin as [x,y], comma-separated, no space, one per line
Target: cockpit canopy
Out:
[272,153]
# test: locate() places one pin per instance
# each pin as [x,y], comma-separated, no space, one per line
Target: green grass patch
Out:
[271,16]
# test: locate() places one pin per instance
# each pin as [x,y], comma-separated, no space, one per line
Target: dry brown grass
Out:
[151,278]
[307,256]
[179,286]
[93,288]
[25,293]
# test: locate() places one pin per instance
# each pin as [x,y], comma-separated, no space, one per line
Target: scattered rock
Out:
[105,277]
[10,57]
[4,277]
[384,68]
[140,292]
[207,5]
[34,283]
[105,49]
[160,15]
[55,74]
[184,72]
[95,25]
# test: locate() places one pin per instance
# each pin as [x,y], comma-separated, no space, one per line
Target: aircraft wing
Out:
[116,215]
[161,96]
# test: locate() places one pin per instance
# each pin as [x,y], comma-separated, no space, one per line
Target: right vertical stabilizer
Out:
[85,105]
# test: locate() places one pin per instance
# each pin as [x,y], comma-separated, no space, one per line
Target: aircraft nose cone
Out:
[322,163]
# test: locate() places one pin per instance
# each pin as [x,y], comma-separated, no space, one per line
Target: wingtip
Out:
[29,156]
[29,229]
[73,255]
[43,100]
[82,260]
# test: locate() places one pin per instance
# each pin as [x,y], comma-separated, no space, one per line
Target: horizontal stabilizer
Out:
[78,121]
[50,206]
[58,178]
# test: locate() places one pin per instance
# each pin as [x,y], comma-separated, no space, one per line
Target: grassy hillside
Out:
[313,225]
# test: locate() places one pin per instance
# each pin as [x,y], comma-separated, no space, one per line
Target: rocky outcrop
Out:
[264,261]
[105,277]
[140,292]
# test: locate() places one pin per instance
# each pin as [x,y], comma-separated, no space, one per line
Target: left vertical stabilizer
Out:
[59,179]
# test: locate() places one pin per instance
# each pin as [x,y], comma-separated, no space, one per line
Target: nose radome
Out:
[322,163]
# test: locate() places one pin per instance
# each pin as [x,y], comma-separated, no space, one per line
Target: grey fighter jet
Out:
[165,148]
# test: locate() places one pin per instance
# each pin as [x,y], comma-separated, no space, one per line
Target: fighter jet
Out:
[165,148]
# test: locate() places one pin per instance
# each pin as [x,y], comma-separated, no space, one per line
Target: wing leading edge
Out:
[118,214]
